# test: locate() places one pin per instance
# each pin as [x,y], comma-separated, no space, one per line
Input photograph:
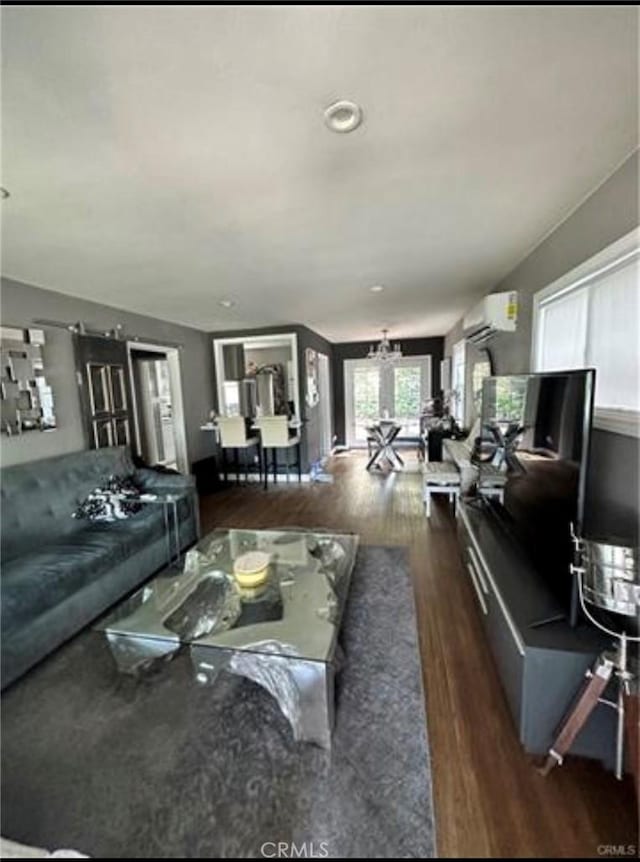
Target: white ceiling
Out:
[162,158]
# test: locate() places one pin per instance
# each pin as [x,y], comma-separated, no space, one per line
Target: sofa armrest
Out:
[154,481]
[457,450]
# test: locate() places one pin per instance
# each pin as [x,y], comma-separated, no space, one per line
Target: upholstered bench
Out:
[492,482]
[458,453]
[440,477]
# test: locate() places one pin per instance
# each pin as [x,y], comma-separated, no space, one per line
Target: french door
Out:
[376,390]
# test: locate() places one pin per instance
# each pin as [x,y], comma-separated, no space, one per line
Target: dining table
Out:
[382,434]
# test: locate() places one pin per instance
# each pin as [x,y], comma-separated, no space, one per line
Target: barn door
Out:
[105,393]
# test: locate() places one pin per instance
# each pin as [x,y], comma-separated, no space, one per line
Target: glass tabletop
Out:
[293,606]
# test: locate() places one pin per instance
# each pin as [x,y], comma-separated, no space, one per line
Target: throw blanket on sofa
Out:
[116,499]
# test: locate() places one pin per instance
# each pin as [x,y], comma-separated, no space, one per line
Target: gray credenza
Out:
[541,666]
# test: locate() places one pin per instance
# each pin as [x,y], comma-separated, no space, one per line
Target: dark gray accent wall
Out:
[433,347]
[23,303]
[307,338]
[608,214]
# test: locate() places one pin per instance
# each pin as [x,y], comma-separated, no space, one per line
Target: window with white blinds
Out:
[592,320]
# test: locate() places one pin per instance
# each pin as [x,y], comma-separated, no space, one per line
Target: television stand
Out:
[556,618]
[541,666]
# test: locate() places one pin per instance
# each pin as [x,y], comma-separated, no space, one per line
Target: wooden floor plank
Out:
[489,800]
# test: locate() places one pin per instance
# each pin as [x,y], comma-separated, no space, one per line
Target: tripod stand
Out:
[607,665]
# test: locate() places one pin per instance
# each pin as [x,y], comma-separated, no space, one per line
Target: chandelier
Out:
[384,352]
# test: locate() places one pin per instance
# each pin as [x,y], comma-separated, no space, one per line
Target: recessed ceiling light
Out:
[227,303]
[343,116]
[3,193]
[377,288]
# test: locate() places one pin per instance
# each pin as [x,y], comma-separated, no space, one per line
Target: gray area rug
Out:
[159,766]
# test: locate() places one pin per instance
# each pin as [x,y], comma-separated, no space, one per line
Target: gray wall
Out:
[606,216]
[23,303]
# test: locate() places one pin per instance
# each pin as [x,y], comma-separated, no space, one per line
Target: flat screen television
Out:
[535,431]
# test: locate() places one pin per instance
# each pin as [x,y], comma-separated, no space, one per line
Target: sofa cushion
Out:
[39,497]
[35,582]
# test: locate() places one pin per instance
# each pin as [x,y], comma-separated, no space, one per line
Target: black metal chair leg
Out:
[264,458]
[299,448]
[236,461]
[275,466]
[224,464]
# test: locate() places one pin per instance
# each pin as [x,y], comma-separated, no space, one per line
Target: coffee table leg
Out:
[134,654]
[317,712]
[303,689]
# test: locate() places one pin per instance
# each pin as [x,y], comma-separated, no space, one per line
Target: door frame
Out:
[350,364]
[177,401]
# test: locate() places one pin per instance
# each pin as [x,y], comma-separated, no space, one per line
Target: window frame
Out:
[627,248]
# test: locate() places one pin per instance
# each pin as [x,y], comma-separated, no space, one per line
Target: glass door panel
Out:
[407,398]
[366,400]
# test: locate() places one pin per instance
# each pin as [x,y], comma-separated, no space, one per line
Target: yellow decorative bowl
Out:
[251,569]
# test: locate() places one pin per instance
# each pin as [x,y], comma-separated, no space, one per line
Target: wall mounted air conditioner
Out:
[497,312]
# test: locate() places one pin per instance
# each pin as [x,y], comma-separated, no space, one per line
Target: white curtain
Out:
[563,332]
[614,336]
[597,326]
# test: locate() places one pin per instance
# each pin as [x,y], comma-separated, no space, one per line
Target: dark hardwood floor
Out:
[489,800]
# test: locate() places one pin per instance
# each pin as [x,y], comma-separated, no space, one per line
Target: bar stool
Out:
[233,435]
[274,434]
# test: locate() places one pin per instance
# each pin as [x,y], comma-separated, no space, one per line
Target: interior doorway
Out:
[159,430]
[324,404]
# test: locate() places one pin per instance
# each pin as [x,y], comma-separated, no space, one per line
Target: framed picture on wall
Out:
[311,374]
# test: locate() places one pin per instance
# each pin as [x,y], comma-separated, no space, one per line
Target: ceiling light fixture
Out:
[384,352]
[227,303]
[343,116]
[4,194]
[377,288]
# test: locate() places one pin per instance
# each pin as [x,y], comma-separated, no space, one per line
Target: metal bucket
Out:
[611,579]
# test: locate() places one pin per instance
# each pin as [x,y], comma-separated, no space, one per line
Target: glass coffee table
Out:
[282,633]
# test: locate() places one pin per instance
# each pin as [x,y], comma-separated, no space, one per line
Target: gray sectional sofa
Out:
[60,573]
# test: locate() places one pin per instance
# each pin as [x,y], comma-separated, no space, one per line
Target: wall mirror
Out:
[482,368]
[257,375]
[26,399]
